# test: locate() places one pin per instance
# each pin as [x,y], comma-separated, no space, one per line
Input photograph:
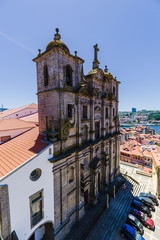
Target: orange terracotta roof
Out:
[14,110]
[13,124]
[18,150]
[147,153]
[31,118]
[156,156]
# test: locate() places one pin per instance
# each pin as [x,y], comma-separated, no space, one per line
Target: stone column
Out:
[4,212]
[111,159]
[111,117]
[78,180]
[92,122]
[103,119]
[78,122]
[118,154]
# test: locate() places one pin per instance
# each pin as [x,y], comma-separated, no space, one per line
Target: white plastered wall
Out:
[21,188]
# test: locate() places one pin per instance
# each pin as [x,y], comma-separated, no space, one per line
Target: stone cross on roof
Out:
[96,62]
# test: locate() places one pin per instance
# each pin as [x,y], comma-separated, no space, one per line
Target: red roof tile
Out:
[31,118]
[18,150]
[14,110]
[13,124]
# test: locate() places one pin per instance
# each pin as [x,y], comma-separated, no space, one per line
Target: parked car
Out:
[140,206]
[148,222]
[147,202]
[130,233]
[135,223]
[151,196]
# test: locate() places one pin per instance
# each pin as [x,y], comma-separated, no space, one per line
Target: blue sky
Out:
[127,33]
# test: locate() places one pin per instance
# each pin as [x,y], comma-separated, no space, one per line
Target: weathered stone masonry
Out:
[4,213]
[79,114]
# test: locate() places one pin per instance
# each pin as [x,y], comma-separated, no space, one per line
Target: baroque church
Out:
[79,114]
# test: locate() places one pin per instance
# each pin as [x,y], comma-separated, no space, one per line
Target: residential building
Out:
[133,110]
[125,134]
[132,151]
[10,128]
[19,112]
[26,187]
[32,118]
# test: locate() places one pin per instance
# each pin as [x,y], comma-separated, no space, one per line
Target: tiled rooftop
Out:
[18,150]
[31,118]
[13,124]
[14,110]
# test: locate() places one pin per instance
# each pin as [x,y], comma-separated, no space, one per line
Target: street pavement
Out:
[109,224]
[148,186]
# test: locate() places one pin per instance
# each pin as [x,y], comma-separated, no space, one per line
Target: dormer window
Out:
[45,75]
[68,75]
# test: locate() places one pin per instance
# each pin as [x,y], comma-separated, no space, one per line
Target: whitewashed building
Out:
[26,187]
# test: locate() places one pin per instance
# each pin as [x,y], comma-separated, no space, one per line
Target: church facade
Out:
[79,114]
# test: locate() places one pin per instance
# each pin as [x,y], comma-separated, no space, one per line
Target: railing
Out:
[125,175]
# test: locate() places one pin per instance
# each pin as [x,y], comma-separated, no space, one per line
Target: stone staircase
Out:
[119,207]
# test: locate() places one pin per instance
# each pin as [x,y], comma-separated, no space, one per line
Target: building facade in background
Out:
[79,115]
[133,110]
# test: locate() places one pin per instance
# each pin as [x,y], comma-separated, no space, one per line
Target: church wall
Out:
[79,176]
[48,103]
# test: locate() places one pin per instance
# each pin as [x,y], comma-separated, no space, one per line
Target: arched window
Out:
[45,71]
[68,75]
[71,174]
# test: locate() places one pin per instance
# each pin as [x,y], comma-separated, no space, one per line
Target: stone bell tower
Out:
[58,74]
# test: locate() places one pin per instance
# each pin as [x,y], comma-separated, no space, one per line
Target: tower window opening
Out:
[114,91]
[69,75]
[45,75]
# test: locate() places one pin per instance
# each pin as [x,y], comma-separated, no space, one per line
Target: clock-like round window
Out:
[35,174]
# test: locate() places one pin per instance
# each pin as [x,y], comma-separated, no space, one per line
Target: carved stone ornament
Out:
[65,127]
[89,91]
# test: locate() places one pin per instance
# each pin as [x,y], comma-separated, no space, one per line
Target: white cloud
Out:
[17,43]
